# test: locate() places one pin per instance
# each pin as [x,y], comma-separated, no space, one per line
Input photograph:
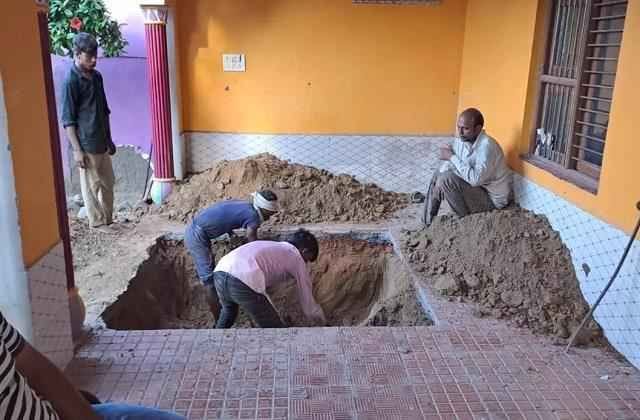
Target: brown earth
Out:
[355,282]
[306,194]
[510,262]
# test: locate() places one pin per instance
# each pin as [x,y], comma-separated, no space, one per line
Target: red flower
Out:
[76,23]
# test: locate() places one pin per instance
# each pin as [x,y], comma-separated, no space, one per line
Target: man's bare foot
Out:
[105,229]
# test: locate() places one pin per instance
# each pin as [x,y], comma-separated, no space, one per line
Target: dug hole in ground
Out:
[510,263]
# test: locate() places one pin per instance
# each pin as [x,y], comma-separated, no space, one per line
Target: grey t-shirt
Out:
[226,216]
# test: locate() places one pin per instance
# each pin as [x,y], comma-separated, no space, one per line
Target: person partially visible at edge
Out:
[242,277]
[223,218]
[31,387]
[85,117]
[474,176]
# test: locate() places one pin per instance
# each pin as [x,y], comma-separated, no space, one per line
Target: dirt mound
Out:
[308,194]
[510,262]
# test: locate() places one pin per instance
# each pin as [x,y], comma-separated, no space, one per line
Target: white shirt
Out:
[482,164]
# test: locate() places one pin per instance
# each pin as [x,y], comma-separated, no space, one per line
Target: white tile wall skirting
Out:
[406,163]
[50,307]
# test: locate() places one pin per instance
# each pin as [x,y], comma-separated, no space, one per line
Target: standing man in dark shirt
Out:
[85,117]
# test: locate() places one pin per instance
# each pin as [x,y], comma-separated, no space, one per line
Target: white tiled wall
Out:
[50,307]
[596,248]
[406,163]
[398,163]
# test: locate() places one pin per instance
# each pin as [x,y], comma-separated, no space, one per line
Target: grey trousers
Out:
[233,294]
[462,197]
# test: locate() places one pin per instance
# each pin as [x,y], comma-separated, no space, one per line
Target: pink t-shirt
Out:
[262,264]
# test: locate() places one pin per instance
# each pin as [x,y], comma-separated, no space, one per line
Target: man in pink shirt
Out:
[242,277]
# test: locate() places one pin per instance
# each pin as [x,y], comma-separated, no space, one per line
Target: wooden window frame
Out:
[585,175]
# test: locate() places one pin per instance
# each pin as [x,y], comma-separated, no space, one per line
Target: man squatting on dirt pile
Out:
[474,176]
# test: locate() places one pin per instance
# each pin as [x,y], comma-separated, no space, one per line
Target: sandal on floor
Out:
[417,197]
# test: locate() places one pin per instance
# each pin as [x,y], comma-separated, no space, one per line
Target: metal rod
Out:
[610,3]
[604,31]
[608,17]
[597,86]
[573,37]
[594,98]
[594,111]
[554,40]
[604,127]
[603,73]
[587,149]
[606,289]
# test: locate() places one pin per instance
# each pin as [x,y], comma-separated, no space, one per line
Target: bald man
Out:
[474,176]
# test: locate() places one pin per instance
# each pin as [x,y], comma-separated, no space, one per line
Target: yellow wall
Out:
[502,51]
[321,66]
[21,68]
[495,68]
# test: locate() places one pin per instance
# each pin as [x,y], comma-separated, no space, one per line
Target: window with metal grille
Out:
[577,87]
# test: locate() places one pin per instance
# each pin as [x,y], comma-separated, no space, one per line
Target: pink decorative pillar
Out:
[155,29]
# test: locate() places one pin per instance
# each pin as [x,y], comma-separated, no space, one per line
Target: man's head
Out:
[470,123]
[267,203]
[306,243]
[85,51]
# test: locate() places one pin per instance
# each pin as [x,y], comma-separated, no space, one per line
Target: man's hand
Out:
[80,158]
[252,234]
[51,384]
[446,152]
[111,149]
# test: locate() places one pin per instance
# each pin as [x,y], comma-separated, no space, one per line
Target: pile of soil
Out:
[306,194]
[510,262]
[350,281]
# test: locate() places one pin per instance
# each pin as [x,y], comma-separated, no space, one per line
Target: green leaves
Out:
[94,18]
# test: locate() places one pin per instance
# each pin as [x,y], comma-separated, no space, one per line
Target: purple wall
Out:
[125,82]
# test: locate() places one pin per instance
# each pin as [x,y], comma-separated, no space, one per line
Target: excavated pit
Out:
[356,281]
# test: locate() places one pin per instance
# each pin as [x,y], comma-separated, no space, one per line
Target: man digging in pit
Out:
[242,277]
[474,176]
[223,218]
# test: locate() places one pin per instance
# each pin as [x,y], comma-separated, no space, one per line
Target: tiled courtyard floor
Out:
[462,368]
[486,370]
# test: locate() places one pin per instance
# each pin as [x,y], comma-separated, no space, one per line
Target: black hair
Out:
[475,115]
[85,43]
[268,195]
[303,239]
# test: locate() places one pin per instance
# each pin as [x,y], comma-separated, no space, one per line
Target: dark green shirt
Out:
[84,105]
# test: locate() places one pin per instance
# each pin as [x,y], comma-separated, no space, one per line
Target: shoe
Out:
[105,229]
[417,197]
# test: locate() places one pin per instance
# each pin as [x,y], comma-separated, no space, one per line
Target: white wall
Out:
[14,298]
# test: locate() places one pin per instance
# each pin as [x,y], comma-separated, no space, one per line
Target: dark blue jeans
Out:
[199,246]
[132,412]
[233,294]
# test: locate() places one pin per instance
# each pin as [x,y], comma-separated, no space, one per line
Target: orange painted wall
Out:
[502,54]
[21,68]
[320,66]
[495,68]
